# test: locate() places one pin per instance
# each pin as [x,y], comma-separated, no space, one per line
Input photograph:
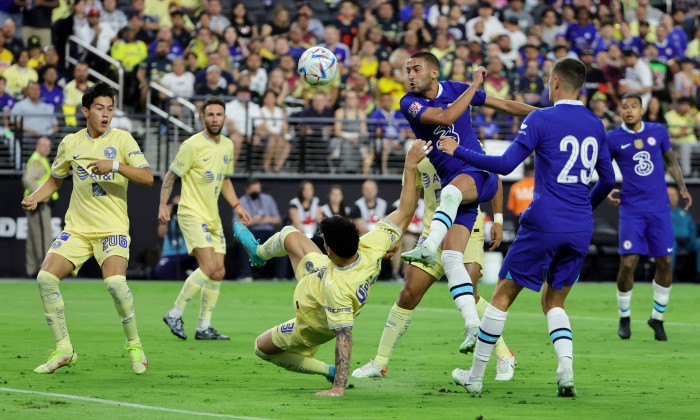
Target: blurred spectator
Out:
[12,42]
[517,37]
[582,33]
[476,55]
[113,16]
[244,26]
[180,33]
[496,83]
[369,63]
[288,66]
[638,76]
[179,81]
[600,109]
[258,75]
[153,68]
[595,80]
[174,263]
[120,120]
[550,29]
[348,147]
[413,8]
[19,75]
[219,22]
[315,134]
[392,130]
[266,218]
[440,8]
[203,45]
[349,25]
[332,42]
[213,84]
[305,210]
[237,126]
[425,37]
[315,26]
[225,82]
[530,85]
[613,72]
[37,116]
[456,23]
[442,49]
[191,62]
[297,46]
[6,56]
[654,112]
[629,41]
[166,34]
[388,81]
[365,98]
[369,209]
[7,102]
[605,39]
[650,14]
[661,74]
[685,234]
[11,11]
[667,50]
[73,91]
[388,23]
[521,193]
[491,25]
[51,59]
[682,122]
[335,205]
[458,71]
[308,37]
[508,55]
[686,81]
[36,19]
[515,10]
[693,50]
[36,58]
[279,23]
[98,34]
[128,50]
[50,93]
[273,129]
[493,126]
[237,49]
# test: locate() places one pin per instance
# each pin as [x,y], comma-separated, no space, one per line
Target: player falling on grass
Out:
[332,289]
[642,150]
[434,109]
[103,161]
[419,278]
[555,231]
[204,162]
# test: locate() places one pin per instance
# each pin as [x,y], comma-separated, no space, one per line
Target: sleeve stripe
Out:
[58,176]
[335,327]
[145,165]
[176,172]
[392,225]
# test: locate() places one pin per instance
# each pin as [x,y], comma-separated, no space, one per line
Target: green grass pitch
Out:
[632,379]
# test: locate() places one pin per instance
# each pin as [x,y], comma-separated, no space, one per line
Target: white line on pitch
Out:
[126,404]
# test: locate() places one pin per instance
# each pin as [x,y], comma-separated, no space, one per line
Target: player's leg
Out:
[659,233]
[632,243]
[284,347]
[288,241]
[561,336]
[211,264]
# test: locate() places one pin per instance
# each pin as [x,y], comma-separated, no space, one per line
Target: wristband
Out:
[115,166]
[498,218]
[237,204]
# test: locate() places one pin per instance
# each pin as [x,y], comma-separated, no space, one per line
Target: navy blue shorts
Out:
[646,234]
[536,257]
[486,187]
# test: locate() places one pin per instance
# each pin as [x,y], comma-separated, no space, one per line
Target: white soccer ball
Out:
[317,66]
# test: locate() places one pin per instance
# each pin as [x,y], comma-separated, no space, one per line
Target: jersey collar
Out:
[439,90]
[568,102]
[351,266]
[106,133]
[204,133]
[624,127]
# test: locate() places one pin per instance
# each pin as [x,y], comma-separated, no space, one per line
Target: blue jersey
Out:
[413,106]
[634,42]
[569,142]
[640,158]
[581,38]
[52,97]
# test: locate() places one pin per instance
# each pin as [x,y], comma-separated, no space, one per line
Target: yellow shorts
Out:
[79,247]
[198,235]
[291,337]
[473,253]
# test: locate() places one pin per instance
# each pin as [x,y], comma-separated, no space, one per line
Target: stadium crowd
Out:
[198,48]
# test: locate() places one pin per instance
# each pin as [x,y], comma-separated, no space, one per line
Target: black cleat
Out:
[209,334]
[624,331]
[175,324]
[658,327]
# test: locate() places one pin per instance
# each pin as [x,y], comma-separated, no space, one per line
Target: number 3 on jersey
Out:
[589,156]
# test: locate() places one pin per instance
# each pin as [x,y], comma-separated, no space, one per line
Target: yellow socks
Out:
[124,304]
[397,324]
[274,247]
[501,348]
[54,310]
[294,362]
[192,285]
[209,297]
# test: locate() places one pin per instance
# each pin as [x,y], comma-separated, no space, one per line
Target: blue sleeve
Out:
[611,149]
[665,141]
[504,164]
[606,176]
[413,107]
[479,98]
[528,133]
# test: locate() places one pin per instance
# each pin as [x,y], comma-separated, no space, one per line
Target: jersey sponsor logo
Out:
[644,164]
[137,152]
[651,141]
[208,237]
[426,180]
[82,173]
[110,152]
[446,132]
[208,177]
[63,236]
[639,144]
[112,241]
[56,244]
[363,289]
[669,249]
[287,328]
[415,108]
[523,126]
[97,190]
[338,310]
[627,244]
[624,146]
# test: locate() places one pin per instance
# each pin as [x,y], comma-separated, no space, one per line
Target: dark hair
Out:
[213,100]
[428,57]
[571,71]
[341,206]
[340,235]
[300,191]
[95,91]
[685,100]
[632,95]
[268,91]
[252,181]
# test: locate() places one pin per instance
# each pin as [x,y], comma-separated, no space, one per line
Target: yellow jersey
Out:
[98,202]
[330,297]
[202,165]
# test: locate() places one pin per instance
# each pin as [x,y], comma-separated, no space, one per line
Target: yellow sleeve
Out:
[133,153]
[338,307]
[381,238]
[184,159]
[229,166]
[61,164]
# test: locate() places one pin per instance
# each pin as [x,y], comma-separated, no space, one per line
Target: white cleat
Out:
[505,367]
[469,340]
[565,383]
[463,378]
[371,370]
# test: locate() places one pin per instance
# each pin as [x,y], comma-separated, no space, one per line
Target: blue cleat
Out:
[331,373]
[246,238]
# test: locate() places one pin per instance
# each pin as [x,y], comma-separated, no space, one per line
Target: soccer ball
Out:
[317,66]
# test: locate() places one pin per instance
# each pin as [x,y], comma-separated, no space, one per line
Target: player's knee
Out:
[220,273]
[450,195]
[629,263]
[258,352]
[663,264]
[209,269]
[409,297]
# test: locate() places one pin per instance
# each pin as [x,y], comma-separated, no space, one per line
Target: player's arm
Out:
[45,190]
[343,350]
[509,107]
[504,164]
[165,190]
[141,176]
[446,117]
[497,227]
[404,213]
[606,175]
[675,171]
[230,195]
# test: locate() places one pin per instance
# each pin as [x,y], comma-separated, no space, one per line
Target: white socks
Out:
[490,331]
[444,216]
[562,339]
[661,295]
[460,286]
[623,303]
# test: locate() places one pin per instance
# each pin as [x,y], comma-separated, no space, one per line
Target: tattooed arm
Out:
[675,171]
[165,190]
[343,349]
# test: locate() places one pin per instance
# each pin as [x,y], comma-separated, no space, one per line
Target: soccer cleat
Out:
[624,330]
[505,367]
[246,238]
[371,370]
[469,342]
[331,374]
[57,360]
[463,378]
[139,363]
[175,324]
[658,327]
[565,383]
[420,254]
[209,334]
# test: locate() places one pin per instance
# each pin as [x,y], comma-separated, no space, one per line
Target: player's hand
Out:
[392,251]
[333,392]
[243,215]
[478,76]
[614,201]
[448,145]
[101,167]
[28,203]
[418,150]
[496,236]
[688,199]
[164,214]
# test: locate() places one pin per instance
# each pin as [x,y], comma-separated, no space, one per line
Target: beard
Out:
[213,132]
